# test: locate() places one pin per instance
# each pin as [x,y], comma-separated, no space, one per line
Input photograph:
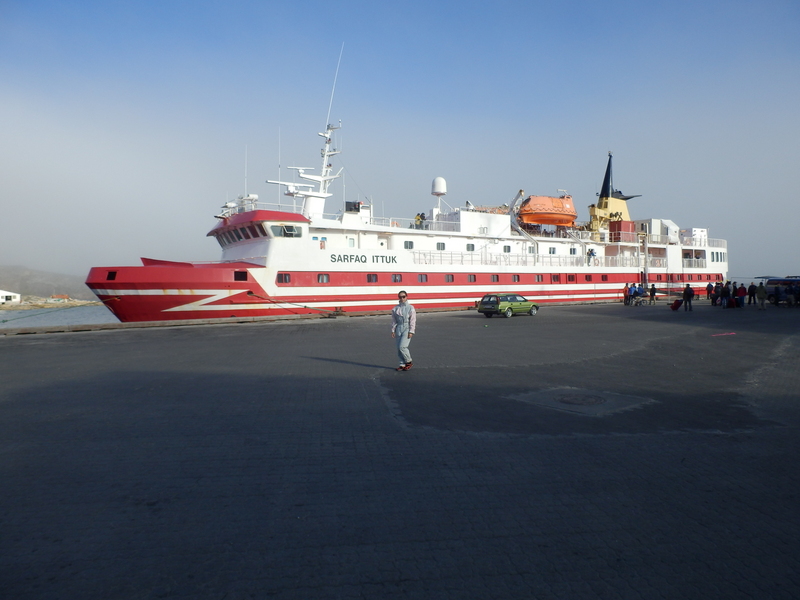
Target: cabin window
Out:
[240,275]
[111,276]
[506,248]
[408,245]
[440,246]
[449,278]
[470,247]
[658,277]
[573,251]
[495,278]
[539,278]
[587,277]
[690,277]
[246,235]
[471,278]
[289,231]
[422,278]
[708,277]
[515,278]
[531,250]
[351,242]
[323,278]
[397,278]
[555,278]
[551,250]
[284,277]
[571,278]
[372,278]
[605,277]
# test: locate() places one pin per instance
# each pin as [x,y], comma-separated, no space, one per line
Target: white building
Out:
[8,297]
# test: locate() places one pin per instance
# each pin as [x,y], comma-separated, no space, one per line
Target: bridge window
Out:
[289,231]
[246,235]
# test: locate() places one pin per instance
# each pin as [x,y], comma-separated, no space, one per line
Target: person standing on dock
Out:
[653,294]
[688,294]
[404,324]
[761,295]
[751,294]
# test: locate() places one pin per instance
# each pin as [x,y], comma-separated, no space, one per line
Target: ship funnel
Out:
[439,187]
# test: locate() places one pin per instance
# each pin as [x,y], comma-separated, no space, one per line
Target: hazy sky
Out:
[124,126]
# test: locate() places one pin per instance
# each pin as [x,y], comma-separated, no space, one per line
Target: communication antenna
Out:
[335,77]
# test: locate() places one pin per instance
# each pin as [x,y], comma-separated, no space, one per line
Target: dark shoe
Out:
[401,368]
[408,366]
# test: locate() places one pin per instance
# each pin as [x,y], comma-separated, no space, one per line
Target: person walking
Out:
[761,296]
[709,289]
[653,294]
[404,325]
[688,294]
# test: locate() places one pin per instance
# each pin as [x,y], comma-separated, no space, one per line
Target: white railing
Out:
[694,263]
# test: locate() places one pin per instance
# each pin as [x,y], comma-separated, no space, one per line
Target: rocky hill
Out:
[30,282]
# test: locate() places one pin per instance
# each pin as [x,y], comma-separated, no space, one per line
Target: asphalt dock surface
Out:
[587,452]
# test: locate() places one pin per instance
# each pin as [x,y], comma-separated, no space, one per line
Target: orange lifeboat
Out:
[547,210]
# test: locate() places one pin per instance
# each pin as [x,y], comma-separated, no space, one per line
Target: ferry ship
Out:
[293,258]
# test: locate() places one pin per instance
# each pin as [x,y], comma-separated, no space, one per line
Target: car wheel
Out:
[509,313]
[532,311]
[487,315]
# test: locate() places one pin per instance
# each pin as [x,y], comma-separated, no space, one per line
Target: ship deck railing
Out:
[533,260]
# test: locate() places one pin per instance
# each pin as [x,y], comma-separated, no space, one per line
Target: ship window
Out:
[449,278]
[351,242]
[495,278]
[237,234]
[422,278]
[573,251]
[531,250]
[253,231]
[240,275]
[506,248]
[551,250]
[605,277]
[397,278]
[262,229]
[246,235]
[221,241]
[284,277]
[372,278]
[470,247]
[323,278]
[571,278]
[540,278]
[658,277]
[111,276]
[471,278]
[587,277]
[555,278]
[408,245]
[690,277]
[228,237]
[289,231]
[708,277]
[440,246]
[515,278]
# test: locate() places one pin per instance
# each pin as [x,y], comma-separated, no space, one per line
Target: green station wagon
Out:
[507,305]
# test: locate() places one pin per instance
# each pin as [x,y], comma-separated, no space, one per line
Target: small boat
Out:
[548,210]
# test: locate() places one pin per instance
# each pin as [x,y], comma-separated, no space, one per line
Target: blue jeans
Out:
[402,347]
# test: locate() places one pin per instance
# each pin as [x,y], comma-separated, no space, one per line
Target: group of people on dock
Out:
[635,294]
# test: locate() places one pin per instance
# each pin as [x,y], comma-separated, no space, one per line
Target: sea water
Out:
[56,316]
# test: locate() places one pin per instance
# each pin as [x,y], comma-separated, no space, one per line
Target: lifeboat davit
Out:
[548,210]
